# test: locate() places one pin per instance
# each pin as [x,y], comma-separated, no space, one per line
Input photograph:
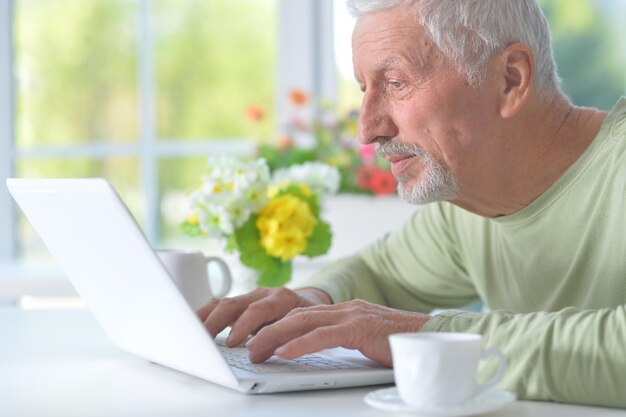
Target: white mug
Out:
[191,273]
[434,370]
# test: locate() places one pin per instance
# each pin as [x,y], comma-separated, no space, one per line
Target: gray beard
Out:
[436,182]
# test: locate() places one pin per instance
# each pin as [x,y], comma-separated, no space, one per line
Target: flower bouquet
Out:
[267,219]
[330,138]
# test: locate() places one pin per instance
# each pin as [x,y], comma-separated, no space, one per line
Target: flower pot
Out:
[359,220]
[244,278]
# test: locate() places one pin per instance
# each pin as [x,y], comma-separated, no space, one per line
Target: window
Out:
[102,93]
[140,91]
[589,41]
[349,93]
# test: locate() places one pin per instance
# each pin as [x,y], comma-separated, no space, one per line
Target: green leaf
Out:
[276,277]
[311,200]
[250,251]
[191,229]
[281,158]
[231,244]
[320,240]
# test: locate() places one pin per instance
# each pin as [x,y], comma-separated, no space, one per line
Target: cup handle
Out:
[499,374]
[226,278]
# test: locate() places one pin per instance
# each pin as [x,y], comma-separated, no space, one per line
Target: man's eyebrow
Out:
[385,64]
[382,66]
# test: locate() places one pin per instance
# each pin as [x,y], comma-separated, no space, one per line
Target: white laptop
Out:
[103,252]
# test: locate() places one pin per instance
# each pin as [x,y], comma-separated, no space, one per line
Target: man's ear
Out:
[516,72]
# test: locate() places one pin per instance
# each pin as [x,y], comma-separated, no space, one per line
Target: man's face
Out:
[418,108]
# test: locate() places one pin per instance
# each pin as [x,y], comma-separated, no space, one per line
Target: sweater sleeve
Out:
[574,356]
[416,268]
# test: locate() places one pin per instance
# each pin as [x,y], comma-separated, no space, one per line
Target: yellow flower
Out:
[273,190]
[285,225]
[305,189]
[193,219]
[341,160]
[218,188]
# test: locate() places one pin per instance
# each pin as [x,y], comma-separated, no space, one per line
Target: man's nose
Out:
[375,121]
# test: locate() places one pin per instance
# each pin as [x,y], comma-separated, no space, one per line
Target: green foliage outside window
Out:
[214,58]
[77,69]
[76,72]
[588,40]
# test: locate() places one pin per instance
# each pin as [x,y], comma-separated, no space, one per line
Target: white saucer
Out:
[388,399]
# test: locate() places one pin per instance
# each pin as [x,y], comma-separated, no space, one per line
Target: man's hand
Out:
[353,325]
[248,313]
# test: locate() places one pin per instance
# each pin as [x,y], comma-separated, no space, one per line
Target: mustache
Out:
[385,149]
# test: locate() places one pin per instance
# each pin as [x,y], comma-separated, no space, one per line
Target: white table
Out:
[60,363]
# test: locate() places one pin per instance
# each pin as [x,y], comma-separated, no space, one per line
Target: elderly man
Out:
[526,207]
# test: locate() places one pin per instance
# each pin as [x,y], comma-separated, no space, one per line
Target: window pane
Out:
[589,40]
[214,59]
[123,173]
[177,177]
[76,71]
[349,95]
[589,48]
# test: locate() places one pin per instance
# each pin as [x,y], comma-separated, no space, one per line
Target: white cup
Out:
[435,370]
[193,276]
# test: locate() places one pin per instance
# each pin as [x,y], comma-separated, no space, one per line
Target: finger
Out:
[206,309]
[262,346]
[258,314]
[319,339]
[225,313]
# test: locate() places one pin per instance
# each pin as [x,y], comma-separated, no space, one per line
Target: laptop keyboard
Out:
[237,357]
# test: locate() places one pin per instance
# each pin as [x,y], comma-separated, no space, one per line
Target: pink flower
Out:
[255,113]
[364,175]
[383,183]
[367,153]
[299,124]
[376,180]
[285,142]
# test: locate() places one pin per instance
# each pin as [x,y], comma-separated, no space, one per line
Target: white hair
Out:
[469,32]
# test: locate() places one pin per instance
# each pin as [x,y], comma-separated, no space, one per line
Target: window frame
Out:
[7,130]
[312,68]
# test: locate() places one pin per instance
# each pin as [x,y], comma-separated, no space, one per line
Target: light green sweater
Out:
[553,275]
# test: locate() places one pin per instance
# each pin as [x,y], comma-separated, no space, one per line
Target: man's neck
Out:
[536,157]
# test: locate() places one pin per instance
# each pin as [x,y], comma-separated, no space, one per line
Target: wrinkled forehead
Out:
[396,20]
[393,35]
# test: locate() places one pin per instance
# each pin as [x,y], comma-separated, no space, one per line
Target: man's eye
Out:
[396,84]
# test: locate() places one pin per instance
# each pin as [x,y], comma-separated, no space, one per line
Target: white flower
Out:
[238,173]
[256,196]
[231,190]
[239,210]
[216,219]
[321,178]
